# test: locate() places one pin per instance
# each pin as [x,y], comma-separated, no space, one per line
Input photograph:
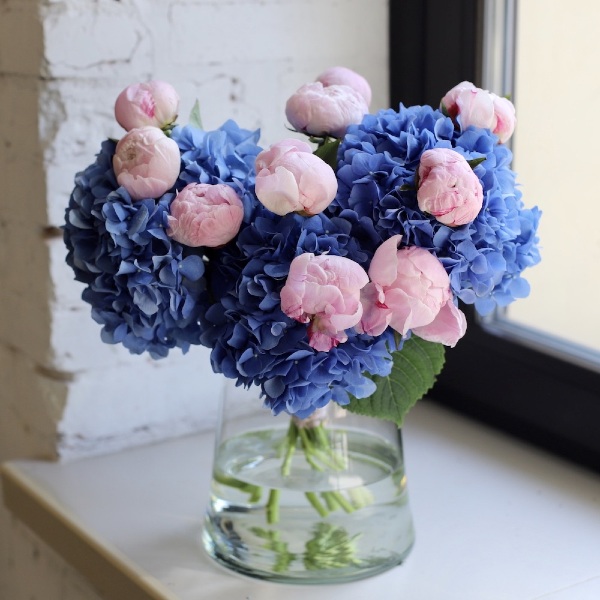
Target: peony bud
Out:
[448,188]
[155,103]
[345,76]
[323,111]
[205,215]
[146,163]
[325,292]
[290,178]
[410,290]
[470,105]
[504,110]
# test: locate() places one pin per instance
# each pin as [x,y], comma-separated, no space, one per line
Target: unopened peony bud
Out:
[155,103]
[504,110]
[146,163]
[448,188]
[205,215]
[345,76]
[290,178]
[323,111]
[470,105]
[325,292]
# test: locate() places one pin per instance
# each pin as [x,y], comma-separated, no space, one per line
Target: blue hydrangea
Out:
[151,293]
[145,289]
[377,163]
[254,342]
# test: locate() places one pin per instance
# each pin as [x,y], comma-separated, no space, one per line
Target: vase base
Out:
[232,555]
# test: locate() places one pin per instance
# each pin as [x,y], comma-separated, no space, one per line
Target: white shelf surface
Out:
[495,520]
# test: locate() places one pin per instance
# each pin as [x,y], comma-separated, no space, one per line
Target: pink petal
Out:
[383,269]
[447,328]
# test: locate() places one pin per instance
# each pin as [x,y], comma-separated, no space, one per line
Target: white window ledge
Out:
[495,520]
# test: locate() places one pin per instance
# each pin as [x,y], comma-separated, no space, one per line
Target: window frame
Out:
[533,394]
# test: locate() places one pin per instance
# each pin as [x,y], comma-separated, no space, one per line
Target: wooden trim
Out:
[109,572]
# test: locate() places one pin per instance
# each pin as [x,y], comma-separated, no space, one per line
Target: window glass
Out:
[556,89]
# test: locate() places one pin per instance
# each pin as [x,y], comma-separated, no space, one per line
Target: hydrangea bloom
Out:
[254,342]
[377,162]
[152,293]
[144,287]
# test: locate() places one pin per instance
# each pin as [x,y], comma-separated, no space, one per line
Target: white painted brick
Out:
[153,400]
[62,64]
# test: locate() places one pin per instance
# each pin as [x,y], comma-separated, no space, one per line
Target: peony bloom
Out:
[471,105]
[448,188]
[205,215]
[290,178]
[325,291]
[504,110]
[345,76]
[410,290]
[320,110]
[155,103]
[146,163]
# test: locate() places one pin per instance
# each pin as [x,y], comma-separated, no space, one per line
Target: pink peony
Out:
[146,163]
[410,290]
[448,188]
[290,178]
[325,291]
[345,76]
[155,103]
[471,105]
[320,110]
[205,215]
[504,110]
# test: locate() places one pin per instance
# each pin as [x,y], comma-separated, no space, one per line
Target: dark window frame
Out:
[531,394]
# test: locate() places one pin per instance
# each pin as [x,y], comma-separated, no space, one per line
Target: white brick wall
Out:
[62,64]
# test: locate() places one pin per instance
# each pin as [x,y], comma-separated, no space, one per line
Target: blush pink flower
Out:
[146,162]
[154,103]
[290,178]
[205,215]
[345,76]
[471,105]
[325,110]
[504,110]
[410,290]
[325,292]
[448,188]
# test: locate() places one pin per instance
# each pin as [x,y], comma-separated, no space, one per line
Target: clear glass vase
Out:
[306,501]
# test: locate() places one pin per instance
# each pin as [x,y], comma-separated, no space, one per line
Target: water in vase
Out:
[334,509]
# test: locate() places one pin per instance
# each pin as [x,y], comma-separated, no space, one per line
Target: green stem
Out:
[330,500]
[254,491]
[309,449]
[314,500]
[341,500]
[273,506]
[320,454]
[291,437]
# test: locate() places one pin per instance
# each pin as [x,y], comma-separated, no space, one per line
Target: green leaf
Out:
[195,118]
[327,151]
[476,161]
[413,374]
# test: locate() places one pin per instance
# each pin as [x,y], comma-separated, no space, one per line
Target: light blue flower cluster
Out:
[151,293]
[254,342]
[146,289]
[377,165]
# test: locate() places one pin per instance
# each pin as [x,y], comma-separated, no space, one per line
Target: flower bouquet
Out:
[324,272]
